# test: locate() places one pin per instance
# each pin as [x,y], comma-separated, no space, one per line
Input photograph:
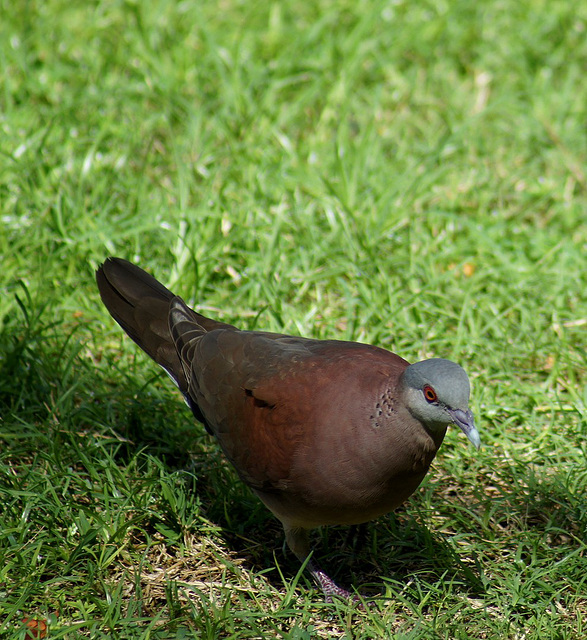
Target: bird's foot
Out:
[330,588]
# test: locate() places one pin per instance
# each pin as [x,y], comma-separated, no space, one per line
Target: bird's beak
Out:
[466,423]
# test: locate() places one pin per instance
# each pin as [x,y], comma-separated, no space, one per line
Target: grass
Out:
[406,174]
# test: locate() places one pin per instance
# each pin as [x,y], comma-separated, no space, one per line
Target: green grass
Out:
[406,174]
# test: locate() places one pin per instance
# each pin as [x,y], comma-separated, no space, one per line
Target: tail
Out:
[142,307]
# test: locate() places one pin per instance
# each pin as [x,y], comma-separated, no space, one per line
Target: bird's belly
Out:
[339,502]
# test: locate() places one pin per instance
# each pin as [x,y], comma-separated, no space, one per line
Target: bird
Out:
[324,432]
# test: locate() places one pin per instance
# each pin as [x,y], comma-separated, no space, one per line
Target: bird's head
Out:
[436,392]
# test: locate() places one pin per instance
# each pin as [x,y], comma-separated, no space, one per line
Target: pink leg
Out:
[329,587]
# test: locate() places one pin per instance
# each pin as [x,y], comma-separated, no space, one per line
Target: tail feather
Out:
[158,321]
[140,305]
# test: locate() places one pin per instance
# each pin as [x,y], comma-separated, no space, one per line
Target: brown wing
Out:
[236,379]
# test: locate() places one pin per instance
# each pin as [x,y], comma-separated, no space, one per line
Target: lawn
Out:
[408,174]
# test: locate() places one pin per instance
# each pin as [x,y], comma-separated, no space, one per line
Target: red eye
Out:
[430,394]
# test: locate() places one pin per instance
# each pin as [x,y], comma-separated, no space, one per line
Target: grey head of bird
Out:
[436,393]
